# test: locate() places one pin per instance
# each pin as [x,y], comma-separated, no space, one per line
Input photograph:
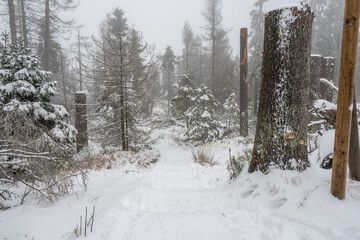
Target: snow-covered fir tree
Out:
[232,110]
[184,98]
[36,142]
[203,121]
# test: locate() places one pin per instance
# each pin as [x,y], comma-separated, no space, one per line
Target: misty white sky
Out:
[161,21]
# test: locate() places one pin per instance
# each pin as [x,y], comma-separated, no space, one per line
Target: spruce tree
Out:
[184,98]
[203,122]
[232,110]
[36,143]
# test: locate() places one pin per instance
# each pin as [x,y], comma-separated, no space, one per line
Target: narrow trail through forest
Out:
[179,199]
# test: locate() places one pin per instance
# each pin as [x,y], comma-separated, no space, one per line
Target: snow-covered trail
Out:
[179,199]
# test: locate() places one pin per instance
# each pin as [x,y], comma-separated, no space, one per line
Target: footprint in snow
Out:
[248,192]
[278,203]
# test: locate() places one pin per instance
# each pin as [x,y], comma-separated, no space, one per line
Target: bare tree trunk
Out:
[81,120]
[345,98]
[213,50]
[255,112]
[47,36]
[354,152]
[122,103]
[24,25]
[63,79]
[80,66]
[243,83]
[281,133]
[12,20]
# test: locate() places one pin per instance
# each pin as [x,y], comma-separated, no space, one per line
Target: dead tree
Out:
[244,115]
[327,72]
[281,133]
[81,120]
[345,98]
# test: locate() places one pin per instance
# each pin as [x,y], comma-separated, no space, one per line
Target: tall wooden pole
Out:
[345,98]
[243,82]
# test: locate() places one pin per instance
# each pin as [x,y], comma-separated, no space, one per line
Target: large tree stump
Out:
[244,115]
[81,120]
[327,72]
[281,133]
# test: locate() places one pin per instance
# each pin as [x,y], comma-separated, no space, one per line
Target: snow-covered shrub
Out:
[36,143]
[203,121]
[232,110]
[236,165]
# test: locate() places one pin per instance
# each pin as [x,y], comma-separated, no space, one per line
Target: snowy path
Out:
[181,200]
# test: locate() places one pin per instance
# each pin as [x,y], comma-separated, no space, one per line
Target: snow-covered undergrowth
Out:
[179,199]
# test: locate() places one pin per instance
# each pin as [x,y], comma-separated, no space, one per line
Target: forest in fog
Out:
[113,136]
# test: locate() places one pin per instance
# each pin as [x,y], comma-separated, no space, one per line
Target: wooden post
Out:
[327,72]
[243,82]
[281,131]
[345,98]
[315,75]
[81,120]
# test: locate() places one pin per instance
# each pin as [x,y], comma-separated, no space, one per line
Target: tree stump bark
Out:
[281,133]
[244,115]
[327,72]
[81,121]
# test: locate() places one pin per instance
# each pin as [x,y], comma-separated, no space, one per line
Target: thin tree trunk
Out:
[354,152]
[24,25]
[281,133]
[12,20]
[63,79]
[255,112]
[213,50]
[47,36]
[345,98]
[316,62]
[81,120]
[122,105]
[80,65]
[243,83]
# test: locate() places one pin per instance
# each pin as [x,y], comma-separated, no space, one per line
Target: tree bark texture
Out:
[354,152]
[281,132]
[244,115]
[256,80]
[47,36]
[327,72]
[345,98]
[81,120]
[24,25]
[12,20]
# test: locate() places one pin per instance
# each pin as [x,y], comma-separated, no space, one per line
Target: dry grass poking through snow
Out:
[111,159]
[204,156]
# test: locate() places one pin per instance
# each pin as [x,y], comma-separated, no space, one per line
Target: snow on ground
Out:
[180,199]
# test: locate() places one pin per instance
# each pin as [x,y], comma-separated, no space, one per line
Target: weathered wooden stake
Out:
[345,98]
[85,225]
[327,72]
[92,219]
[81,120]
[315,75]
[281,132]
[244,115]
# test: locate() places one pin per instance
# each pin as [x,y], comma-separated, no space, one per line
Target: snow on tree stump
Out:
[281,133]
[327,72]
[81,120]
